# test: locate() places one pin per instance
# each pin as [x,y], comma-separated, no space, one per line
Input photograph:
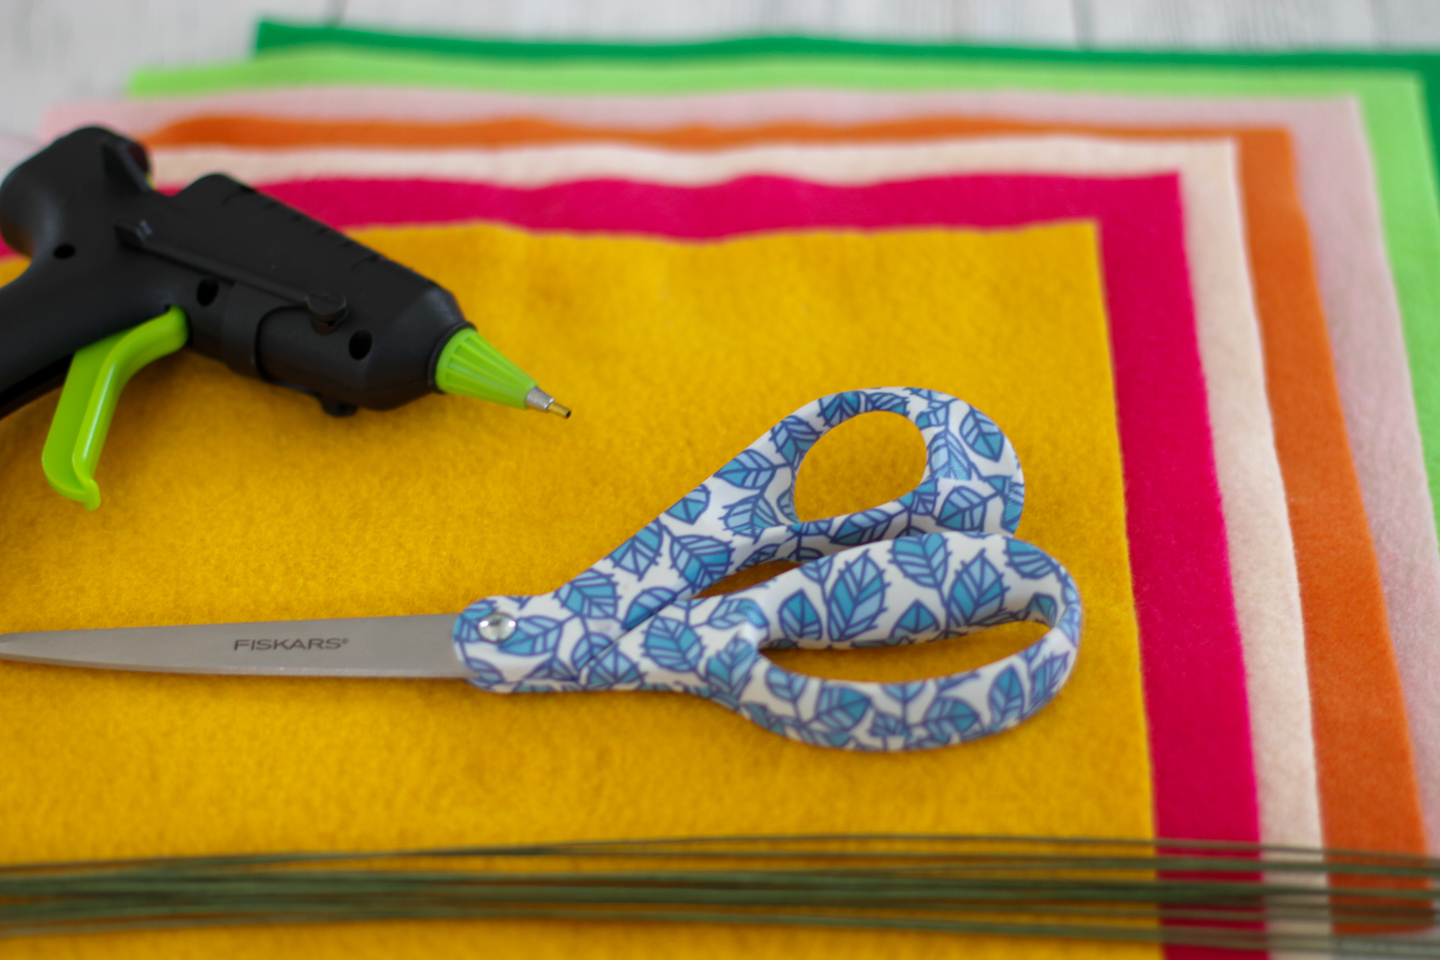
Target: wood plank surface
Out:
[67,49]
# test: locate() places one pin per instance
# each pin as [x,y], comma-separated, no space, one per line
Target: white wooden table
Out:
[67,49]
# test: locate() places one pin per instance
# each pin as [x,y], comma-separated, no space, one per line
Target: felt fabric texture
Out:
[1392,100]
[1413,212]
[1424,65]
[1206,787]
[1414,235]
[205,524]
[1190,643]
[1346,571]
[1278,678]
[1335,176]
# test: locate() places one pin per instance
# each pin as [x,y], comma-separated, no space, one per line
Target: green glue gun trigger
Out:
[121,275]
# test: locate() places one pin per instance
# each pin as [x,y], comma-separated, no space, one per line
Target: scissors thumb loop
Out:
[908,590]
[972,479]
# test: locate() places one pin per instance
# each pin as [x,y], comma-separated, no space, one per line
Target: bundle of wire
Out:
[1227,895]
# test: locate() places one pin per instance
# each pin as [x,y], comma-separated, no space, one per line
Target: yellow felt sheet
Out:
[228,499]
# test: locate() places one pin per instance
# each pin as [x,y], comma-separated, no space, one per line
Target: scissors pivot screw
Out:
[497,627]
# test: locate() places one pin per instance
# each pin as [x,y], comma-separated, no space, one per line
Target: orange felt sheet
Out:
[1369,797]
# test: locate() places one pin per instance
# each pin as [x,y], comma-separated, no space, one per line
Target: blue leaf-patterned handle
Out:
[906,590]
[744,515]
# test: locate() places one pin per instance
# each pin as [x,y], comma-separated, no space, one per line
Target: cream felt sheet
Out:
[1337,183]
[1261,552]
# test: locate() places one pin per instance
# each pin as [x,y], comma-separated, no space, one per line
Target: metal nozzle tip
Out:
[538,399]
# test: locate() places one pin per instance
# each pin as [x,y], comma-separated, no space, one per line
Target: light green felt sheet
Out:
[1392,100]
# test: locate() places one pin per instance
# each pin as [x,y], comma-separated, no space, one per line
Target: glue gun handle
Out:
[59,305]
[59,208]
[35,343]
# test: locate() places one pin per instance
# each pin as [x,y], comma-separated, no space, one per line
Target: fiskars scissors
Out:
[938,562]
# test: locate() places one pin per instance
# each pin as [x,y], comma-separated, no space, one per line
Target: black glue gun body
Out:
[121,275]
[270,292]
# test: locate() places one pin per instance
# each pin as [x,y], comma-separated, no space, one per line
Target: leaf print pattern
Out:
[885,726]
[533,636]
[784,684]
[857,599]
[903,693]
[673,644]
[1028,561]
[1046,678]
[751,470]
[590,646]
[841,708]
[700,561]
[691,506]
[1007,696]
[839,407]
[981,434]
[922,498]
[818,570]
[977,594]
[555,669]
[877,401]
[948,459]
[592,594]
[734,611]
[799,618]
[867,526]
[921,559]
[761,554]
[644,606]
[964,509]
[938,561]
[749,517]
[793,437]
[1012,495]
[916,621]
[949,717]
[612,669]
[638,554]
[729,670]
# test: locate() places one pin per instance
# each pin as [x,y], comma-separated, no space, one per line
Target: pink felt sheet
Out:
[1190,640]
[1263,572]
[1336,179]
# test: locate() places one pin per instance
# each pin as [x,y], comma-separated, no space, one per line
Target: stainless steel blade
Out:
[419,646]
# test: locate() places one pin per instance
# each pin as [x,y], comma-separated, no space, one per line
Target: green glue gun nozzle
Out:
[242,278]
[97,375]
[470,367]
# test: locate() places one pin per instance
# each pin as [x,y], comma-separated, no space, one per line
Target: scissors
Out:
[940,561]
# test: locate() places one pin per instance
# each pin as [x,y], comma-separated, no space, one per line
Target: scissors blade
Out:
[418,646]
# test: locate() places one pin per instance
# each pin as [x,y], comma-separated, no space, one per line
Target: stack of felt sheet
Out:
[1196,292]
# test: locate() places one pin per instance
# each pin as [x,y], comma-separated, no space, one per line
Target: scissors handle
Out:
[742,516]
[911,589]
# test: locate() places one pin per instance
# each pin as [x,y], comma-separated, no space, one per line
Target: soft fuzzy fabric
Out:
[1393,104]
[1261,554]
[1254,495]
[228,499]
[1335,175]
[1360,736]
[1189,638]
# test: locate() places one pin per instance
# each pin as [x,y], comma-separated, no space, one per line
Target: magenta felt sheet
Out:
[1204,780]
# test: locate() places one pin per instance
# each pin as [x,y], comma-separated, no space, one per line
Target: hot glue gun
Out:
[121,275]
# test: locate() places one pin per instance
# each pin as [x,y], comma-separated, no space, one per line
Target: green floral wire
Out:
[733,848]
[1004,882]
[1235,940]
